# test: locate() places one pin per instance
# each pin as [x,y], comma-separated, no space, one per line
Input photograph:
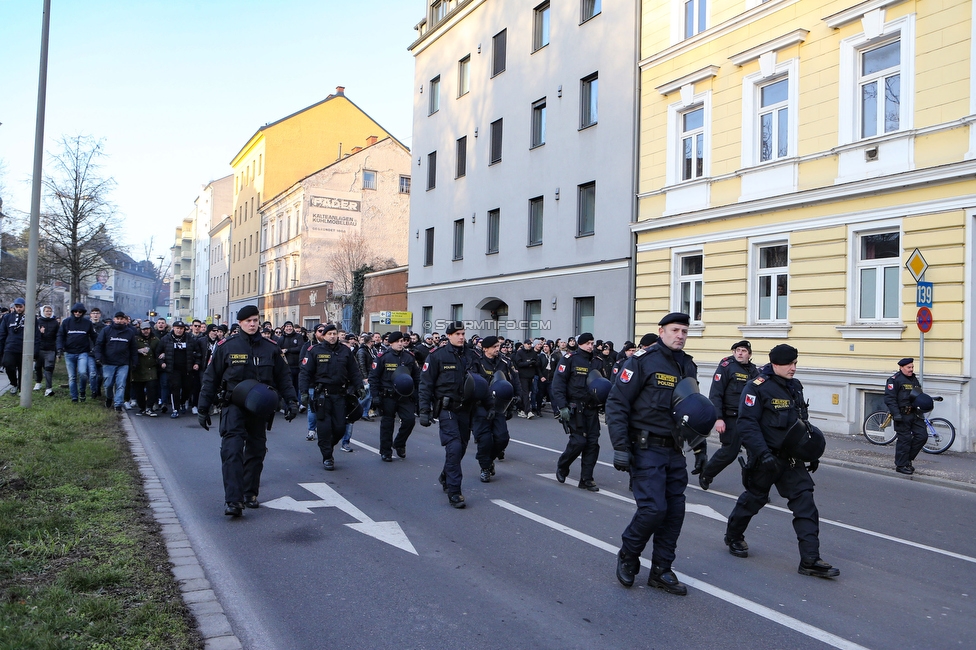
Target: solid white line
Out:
[734,497]
[748,605]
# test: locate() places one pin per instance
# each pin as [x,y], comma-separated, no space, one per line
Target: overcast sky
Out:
[176,87]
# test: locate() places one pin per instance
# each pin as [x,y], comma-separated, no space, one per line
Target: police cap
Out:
[675,317]
[648,339]
[454,326]
[783,355]
[742,344]
[246,312]
[906,361]
[395,336]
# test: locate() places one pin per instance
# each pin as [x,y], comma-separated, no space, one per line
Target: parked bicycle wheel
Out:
[941,436]
[878,428]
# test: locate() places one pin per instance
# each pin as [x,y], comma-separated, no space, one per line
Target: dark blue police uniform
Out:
[569,390]
[490,426]
[910,431]
[727,383]
[391,403]
[330,370]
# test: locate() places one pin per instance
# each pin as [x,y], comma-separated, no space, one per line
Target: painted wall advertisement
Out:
[331,214]
[103,288]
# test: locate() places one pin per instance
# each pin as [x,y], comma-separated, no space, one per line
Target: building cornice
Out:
[775,45]
[395,269]
[692,78]
[539,274]
[852,14]
[463,8]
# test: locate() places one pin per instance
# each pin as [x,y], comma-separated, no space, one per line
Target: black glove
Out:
[203,417]
[292,412]
[700,459]
[361,393]
[509,414]
[304,398]
[564,415]
[813,465]
[768,462]
[897,418]
[425,418]
[621,460]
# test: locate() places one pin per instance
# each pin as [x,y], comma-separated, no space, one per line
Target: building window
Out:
[694,16]
[589,93]
[774,120]
[369,183]
[769,114]
[438,10]
[589,9]
[879,85]
[533,319]
[458,239]
[498,46]
[457,312]
[878,276]
[535,221]
[429,247]
[431,170]
[583,315]
[427,319]
[461,149]
[434,95]
[495,137]
[404,185]
[540,26]
[539,123]
[772,282]
[494,218]
[693,143]
[689,285]
[585,209]
[464,76]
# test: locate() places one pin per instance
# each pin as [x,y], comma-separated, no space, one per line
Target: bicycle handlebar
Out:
[936,399]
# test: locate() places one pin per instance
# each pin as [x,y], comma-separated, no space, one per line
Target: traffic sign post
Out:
[917,266]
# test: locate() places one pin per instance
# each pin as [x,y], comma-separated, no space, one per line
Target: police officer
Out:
[394,380]
[490,418]
[770,407]
[642,431]
[332,371]
[243,429]
[441,396]
[727,383]
[900,391]
[578,411]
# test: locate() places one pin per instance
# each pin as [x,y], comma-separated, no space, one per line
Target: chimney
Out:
[340,91]
[371,140]
[355,150]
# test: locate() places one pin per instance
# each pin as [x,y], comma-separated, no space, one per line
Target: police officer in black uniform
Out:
[243,434]
[900,391]
[490,420]
[441,396]
[727,383]
[641,428]
[578,411]
[395,395]
[770,407]
[332,371]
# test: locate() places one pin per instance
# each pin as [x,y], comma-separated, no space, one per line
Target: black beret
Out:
[394,337]
[906,361]
[329,328]
[648,339]
[629,345]
[783,354]
[120,314]
[455,326]
[246,312]
[489,341]
[351,337]
[742,344]
[585,337]
[675,317]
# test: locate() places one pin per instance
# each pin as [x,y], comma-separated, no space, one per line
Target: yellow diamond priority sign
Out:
[916,265]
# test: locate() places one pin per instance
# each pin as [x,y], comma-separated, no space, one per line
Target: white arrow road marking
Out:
[748,605]
[385,531]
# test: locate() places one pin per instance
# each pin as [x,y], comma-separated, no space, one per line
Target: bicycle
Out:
[879,429]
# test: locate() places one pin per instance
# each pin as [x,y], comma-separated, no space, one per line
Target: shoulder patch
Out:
[750,400]
[221,341]
[641,352]
[426,363]
[374,364]
[718,377]
[758,380]
[891,386]
[626,374]
[725,361]
[561,368]
[567,355]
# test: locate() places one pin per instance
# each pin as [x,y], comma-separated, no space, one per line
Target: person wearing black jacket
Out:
[547,368]
[900,391]
[490,420]
[180,359]
[76,336]
[94,369]
[579,413]
[526,359]
[392,403]
[46,349]
[12,343]
[291,343]
[116,351]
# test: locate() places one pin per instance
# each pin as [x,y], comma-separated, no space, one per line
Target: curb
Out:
[882,471]
[198,596]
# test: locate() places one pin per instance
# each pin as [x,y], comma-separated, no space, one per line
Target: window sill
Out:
[891,331]
[766,330]
[536,146]
[696,329]
[541,47]
[591,18]
[533,245]
[587,126]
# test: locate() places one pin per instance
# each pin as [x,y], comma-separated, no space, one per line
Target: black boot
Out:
[628,566]
[817,568]
[664,578]
[737,547]
[234,509]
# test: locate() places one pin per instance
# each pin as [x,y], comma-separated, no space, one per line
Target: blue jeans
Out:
[77,364]
[94,378]
[312,422]
[115,376]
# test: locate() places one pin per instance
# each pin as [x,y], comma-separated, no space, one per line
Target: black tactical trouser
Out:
[659,476]
[584,438]
[731,444]
[330,415]
[910,437]
[794,483]
[406,408]
[455,432]
[243,446]
[490,434]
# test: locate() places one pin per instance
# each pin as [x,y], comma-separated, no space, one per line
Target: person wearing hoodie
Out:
[12,343]
[94,369]
[180,359]
[145,385]
[45,349]
[76,336]
[116,350]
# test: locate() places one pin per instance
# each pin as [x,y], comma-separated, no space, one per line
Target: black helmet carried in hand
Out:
[501,392]
[693,413]
[255,398]
[354,409]
[923,402]
[804,441]
[403,381]
[597,386]
[475,388]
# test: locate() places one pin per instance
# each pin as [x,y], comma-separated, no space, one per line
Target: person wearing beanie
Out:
[390,398]
[770,406]
[730,378]
[12,343]
[243,431]
[641,428]
[910,432]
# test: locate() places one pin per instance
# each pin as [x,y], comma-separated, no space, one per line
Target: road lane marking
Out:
[733,599]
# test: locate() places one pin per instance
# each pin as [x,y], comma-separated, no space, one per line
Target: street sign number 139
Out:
[923,295]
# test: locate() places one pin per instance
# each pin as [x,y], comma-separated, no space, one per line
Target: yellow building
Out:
[274,158]
[793,155]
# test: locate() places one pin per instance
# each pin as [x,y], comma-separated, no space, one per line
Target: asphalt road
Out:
[530,562]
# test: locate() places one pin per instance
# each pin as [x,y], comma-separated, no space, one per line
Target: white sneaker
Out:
[529,415]
[37,386]
[310,435]
[128,407]
[49,392]
[195,411]
[521,414]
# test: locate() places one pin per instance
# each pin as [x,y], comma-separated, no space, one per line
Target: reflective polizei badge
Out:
[750,400]
[626,374]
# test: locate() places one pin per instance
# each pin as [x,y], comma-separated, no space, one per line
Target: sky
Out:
[176,87]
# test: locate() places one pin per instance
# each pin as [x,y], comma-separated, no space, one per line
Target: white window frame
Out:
[860,265]
[369,183]
[541,23]
[434,95]
[678,19]
[464,76]
[675,112]
[596,8]
[537,126]
[752,106]
[679,279]
[755,246]
[849,95]
[589,110]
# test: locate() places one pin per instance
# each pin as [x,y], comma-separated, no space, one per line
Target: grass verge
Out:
[82,562]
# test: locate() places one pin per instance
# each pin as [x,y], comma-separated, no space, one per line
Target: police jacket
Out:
[569,381]
[727,383]
[180,352]
[12,332]
[291,347]
[769,406]
[527,362]
[640,399]
[76,335]
[443,376]
[381,374]
[330,366]
[488,367]
[898,391]
[145,368]
[241,357]
[116,346]
[46,341]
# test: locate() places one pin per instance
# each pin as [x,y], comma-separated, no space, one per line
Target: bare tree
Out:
[159,271]
[352,252]
[77,222]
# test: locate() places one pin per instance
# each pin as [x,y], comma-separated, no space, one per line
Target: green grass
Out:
[82,564]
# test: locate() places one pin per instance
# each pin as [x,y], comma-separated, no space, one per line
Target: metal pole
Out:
[921,341]
[27,367]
